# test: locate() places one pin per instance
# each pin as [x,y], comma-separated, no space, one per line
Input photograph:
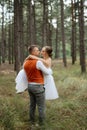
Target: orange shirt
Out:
[33,74]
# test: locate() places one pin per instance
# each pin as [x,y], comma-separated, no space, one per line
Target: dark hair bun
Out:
[49,50]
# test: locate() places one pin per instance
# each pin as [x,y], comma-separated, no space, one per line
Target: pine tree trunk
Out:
[31,23]
[75,31]
[57,48]
[16,35]
[28,23]
[62,33]
[57,42]
[3,36]
[50,27]
[21,37]
[9,38]
[73,41]
[12,30]
[81,36]
[45,22]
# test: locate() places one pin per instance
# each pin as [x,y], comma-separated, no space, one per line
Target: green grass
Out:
[69,112]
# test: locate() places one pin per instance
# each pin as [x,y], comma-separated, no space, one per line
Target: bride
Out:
[50,88]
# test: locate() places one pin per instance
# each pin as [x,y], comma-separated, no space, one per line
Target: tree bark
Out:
[31,23]
[63,33]
[73,39]
[45,22]
[81,36]
[21,36]
[16,35]
[3,36]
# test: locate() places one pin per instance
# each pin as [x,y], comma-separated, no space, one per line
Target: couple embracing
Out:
[36,75]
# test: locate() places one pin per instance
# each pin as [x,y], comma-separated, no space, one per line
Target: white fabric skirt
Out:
[50,88]
[21,81]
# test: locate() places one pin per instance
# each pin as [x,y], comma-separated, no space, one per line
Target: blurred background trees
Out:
[61,24]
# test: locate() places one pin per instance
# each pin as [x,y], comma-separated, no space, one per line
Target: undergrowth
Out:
[68,112]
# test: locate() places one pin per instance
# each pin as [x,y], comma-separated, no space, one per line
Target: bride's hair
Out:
[49,50]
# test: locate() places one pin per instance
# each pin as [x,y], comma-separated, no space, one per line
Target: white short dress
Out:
[21,81]
[50,88]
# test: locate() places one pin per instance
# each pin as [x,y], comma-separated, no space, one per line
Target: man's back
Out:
[33,74]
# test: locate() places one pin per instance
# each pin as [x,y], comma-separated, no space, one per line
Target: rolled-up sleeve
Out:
[41,67]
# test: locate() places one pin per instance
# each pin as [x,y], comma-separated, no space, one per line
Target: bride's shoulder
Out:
[49,62]
[49,59]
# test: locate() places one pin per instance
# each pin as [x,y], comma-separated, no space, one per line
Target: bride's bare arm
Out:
[46,62]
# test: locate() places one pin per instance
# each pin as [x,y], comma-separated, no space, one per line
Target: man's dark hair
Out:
[31,48]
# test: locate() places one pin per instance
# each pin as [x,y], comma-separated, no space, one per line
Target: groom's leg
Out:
[32,107]
[40,100]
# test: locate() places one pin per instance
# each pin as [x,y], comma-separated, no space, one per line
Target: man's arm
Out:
[41,67]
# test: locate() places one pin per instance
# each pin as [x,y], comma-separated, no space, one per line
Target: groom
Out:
[34,70]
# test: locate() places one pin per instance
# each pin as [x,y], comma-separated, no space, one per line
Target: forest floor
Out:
[68,112]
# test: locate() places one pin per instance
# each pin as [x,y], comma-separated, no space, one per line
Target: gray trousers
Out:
[37,97]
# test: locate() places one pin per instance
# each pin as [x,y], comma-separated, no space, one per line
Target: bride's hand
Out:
[33,57]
